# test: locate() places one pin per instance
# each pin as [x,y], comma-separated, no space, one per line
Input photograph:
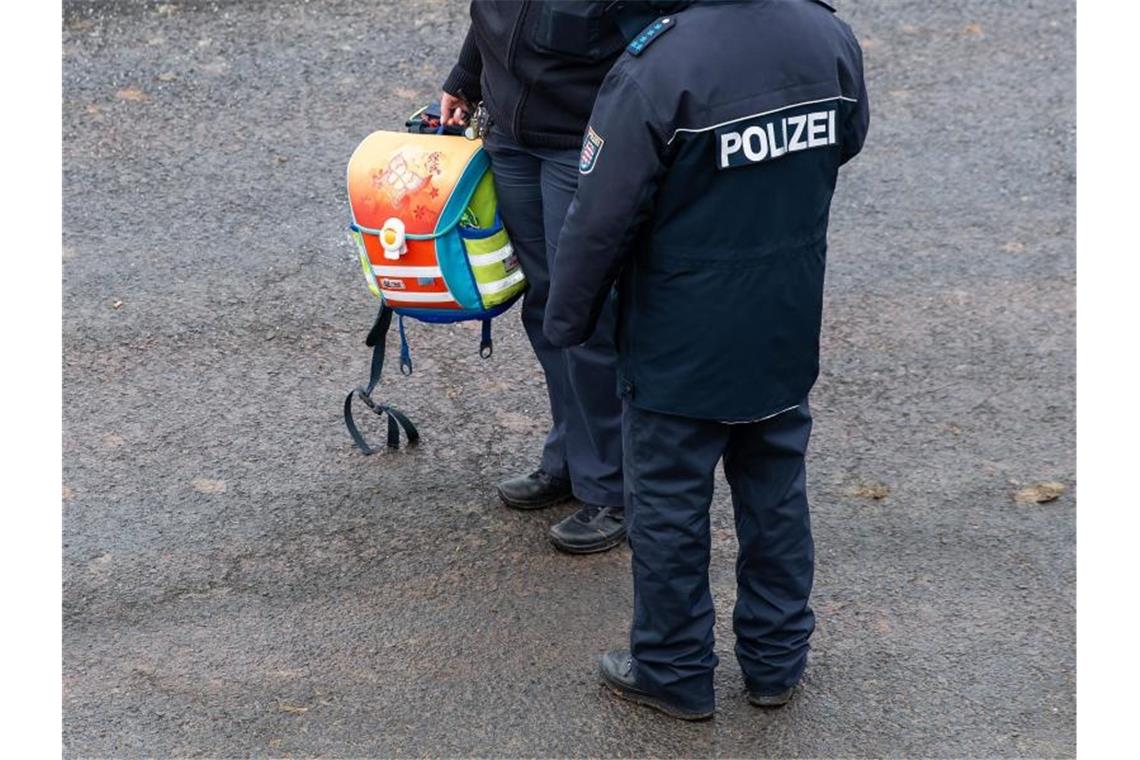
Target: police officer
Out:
[536,67]
[707,172]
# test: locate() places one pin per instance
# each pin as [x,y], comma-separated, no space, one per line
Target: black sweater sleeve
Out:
[463,81]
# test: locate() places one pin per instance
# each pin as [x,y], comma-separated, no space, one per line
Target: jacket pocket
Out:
[575,29]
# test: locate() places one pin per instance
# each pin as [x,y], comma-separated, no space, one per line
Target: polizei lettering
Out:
[769,138]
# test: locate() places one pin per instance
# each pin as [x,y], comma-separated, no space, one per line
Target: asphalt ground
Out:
[239,581]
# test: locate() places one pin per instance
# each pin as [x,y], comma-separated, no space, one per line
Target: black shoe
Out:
[771,700]
[533,491]
[590,529]
[617,673]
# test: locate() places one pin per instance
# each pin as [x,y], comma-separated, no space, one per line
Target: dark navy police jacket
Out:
[707,172]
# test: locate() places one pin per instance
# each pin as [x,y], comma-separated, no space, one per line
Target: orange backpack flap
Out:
[413,189]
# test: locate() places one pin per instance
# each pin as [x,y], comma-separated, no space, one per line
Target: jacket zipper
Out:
[512,45]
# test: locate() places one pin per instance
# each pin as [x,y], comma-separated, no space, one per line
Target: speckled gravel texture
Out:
[240,582]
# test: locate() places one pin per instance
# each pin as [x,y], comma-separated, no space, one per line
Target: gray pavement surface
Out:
[238,581]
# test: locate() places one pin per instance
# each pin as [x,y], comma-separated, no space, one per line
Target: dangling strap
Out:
[405,351]
[397,420]
[486,347]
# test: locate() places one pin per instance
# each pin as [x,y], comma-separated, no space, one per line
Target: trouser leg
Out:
[591,406]
[518,184]
[764,465]
[670,463]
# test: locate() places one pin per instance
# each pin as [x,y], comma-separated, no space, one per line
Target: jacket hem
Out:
[548,140]
[774,410]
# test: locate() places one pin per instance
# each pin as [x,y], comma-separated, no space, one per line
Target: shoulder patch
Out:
[650,33]
[591,147]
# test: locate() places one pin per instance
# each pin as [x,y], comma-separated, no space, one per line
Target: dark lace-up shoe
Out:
[534,491]
[617,674]
[771,700]
[590,529]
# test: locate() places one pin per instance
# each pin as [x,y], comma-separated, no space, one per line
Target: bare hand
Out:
[454,111]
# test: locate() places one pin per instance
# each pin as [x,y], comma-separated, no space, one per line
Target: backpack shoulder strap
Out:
[397,420]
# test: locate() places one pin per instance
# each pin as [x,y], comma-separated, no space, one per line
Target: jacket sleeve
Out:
[464,79]
[855,126]
[618,172]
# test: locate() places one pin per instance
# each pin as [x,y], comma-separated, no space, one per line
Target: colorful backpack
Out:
[425,223]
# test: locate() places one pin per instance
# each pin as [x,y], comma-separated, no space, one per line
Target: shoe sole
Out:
[653,702]
[605,546]
[770,703]
[527,506]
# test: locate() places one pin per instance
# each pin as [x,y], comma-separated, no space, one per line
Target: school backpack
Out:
[426,226]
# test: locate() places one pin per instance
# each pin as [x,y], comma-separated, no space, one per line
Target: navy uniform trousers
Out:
[535,187]
[670,462]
